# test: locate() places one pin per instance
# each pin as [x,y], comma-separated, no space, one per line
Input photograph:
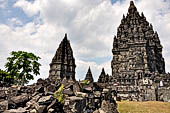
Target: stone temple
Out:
[138,67]
[63,63]
[89,76]
[136,48]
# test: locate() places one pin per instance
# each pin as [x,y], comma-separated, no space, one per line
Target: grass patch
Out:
[143,107]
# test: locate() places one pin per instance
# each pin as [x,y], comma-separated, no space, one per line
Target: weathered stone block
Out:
[18,101]
[3,105]
[45,100]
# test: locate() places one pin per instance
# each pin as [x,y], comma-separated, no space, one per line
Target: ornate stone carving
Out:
[138,47]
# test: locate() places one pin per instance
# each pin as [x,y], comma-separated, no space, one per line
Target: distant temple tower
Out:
[103,78]
[136,48]
[63,63]
[89,75]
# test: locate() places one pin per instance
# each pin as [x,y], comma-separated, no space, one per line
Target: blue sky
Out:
[9,11]
[38,26]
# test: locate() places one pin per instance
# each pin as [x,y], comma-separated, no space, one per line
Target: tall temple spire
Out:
[136,47]
[63,63]
[89,75]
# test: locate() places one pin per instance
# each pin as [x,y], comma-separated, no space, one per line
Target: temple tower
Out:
[136,47]
[89,75]
[103,78]
[63,63]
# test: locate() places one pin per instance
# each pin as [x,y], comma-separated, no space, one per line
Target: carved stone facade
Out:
[138,68]
[136,48]
[63,63]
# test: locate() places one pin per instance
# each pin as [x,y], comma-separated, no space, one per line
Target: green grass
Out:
[143,107]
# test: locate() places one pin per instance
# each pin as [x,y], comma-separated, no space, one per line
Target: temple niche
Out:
[136,47]
[63,63]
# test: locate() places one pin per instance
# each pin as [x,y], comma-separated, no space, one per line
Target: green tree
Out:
[22,65]
[5,78]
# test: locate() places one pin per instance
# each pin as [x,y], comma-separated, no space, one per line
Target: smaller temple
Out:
[103,78]
[63,63]
[89,75]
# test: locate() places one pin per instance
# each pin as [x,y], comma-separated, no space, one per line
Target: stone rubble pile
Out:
[39,98]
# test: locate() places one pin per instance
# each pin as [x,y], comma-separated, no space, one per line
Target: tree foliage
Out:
[86,82]
[22,65]
[59,95]
[5,78]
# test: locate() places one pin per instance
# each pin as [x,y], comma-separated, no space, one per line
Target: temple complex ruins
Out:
[138,67]
[138,74]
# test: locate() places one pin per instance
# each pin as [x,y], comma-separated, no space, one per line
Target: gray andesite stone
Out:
[45,100]
[19,110]
[3,105]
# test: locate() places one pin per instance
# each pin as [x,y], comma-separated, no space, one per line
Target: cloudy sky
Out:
[38,26]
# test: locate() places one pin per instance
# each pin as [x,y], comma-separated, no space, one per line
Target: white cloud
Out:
[29,8]
[14,22]
[90,24]
[3,3]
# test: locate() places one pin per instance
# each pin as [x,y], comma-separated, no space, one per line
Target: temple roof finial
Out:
[89,70]
[131,3]
[132,8]
[103,70]
[65,37]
